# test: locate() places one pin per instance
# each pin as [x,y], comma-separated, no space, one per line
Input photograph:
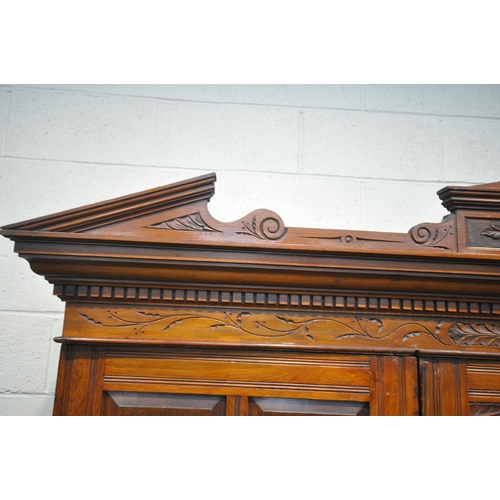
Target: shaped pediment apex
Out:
[178,210]
[482,197]
[195,191]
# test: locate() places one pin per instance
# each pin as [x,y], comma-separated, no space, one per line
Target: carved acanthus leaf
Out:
[465,334]
[191,222]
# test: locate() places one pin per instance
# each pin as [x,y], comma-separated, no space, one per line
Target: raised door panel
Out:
[157,404]
[305,407]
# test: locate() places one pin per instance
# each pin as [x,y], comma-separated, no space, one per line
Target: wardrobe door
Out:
[460,386]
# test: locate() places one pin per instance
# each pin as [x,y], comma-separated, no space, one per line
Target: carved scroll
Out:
[261,224]
[265,226]
[435,235]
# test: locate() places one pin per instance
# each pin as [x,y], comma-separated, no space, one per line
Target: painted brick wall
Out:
[334,156]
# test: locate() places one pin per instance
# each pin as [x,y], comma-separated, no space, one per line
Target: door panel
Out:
[305,407]
[156,404]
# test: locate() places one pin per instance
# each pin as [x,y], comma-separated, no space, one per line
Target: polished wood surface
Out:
[171,312]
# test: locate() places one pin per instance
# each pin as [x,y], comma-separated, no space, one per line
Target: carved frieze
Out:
[219,325]
[271,326]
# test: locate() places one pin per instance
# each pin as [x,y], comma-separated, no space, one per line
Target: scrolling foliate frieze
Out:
[271,326]
[230,325]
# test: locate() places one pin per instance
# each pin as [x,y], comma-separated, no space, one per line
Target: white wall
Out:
[334,156]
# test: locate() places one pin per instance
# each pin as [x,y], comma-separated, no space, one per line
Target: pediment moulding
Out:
[166,236]
[170,311]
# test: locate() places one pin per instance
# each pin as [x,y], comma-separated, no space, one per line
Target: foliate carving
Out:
[192,222]
[435,235]
[262,224]
[493,231]
[465,334]
[265,226]
[273,327]
[484,409]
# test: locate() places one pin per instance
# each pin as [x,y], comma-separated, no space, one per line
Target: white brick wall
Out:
[340,156]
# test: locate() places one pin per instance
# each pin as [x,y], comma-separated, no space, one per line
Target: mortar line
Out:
[7,119]
[25,395]
[50,355]
[48,314]
[441,149]
[300,139]
[362,189]
[223,169]
[157,133]
[268,105]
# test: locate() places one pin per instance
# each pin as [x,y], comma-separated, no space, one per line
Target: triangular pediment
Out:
[175,212]
[154,203]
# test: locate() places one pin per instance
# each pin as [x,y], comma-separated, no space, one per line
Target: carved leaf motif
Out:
[288,321]
[473,334]
[308,334]
[192,222]
[374,327]
[91,320]
[492,232]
